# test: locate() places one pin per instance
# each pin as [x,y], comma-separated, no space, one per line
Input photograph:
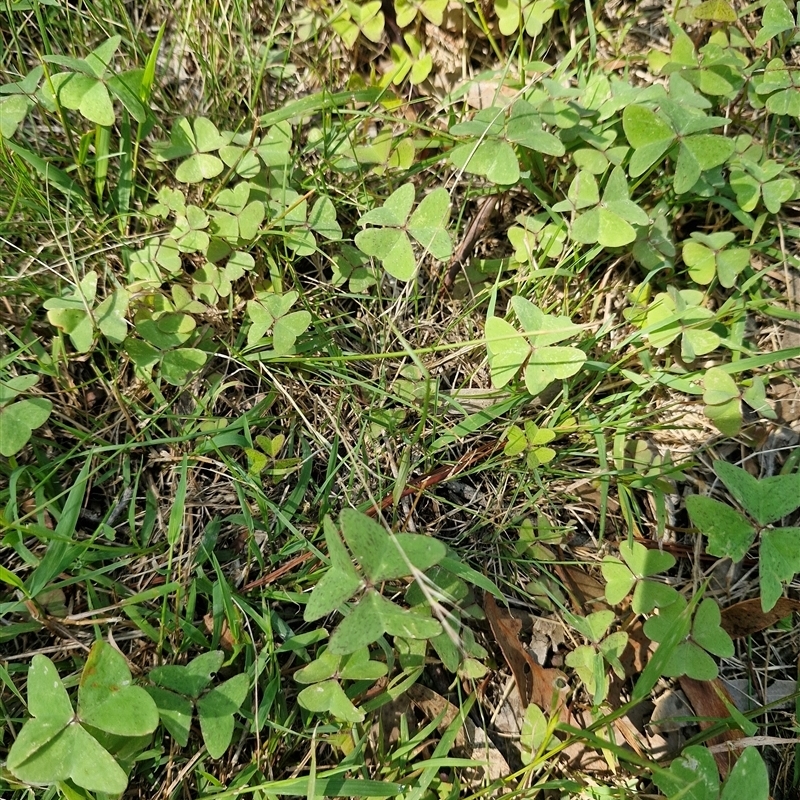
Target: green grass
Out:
[215,335]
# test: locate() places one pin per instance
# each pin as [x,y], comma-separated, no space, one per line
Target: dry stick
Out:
[476,226]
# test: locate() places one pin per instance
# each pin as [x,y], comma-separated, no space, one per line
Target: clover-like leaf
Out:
[649,135]
[716,11]
[428,224]
[361,627]
[722,399]
[175,713]
[604,227]
[395,209]
[649,595]
[534,734]
[589,665]
[322,219]
[536,235]
[542,329]
[697,154]
[192,678]
[749,777]
[384,557]
[688,658]
[619,579]
[215,710]
[593,626]
[609,223]
[778,562]
[110,316]
[287,329]
[275,148]
[404,623]
[53,746]
[547,364]
[493,158]
[775,20]
[392,247]
[525,128]
[166,330]
[334,588]
[71,313]
[375,615]
[13,111]
[693,775]
[339,583]
[195,142]
[729,534]
[359,667]
[679,313]
[108,699]
[85,94]
[177,365]
[328,697]
[645,561]
[767,500]
[708,633]
[19,420]
[640,563]
[777,192]
[320,669]
[508,350]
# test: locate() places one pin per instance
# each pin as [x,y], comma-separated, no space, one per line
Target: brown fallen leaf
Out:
[705,698]
[225,637]
[544,687]
[586,592]
[747,618]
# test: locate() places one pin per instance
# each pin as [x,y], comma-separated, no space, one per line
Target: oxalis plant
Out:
[364,557]
[701,636]
[613,166]
[95,745]
[732,532]
[90,745]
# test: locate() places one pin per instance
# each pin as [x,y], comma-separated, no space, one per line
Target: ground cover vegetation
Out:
[399,399]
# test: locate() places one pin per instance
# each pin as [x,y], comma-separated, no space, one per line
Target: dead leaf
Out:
[671,712]
[544,687]
[747,618]
[225,636]
[779,694]
[705,698]
[787,402]
[583,589]
[581,756]
[546,635]
[637,651]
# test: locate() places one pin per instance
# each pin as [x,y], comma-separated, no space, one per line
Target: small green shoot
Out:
[532,441]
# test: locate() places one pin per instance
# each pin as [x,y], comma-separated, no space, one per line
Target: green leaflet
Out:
[54,746]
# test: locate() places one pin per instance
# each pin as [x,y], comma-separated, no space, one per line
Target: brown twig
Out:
[474,229]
